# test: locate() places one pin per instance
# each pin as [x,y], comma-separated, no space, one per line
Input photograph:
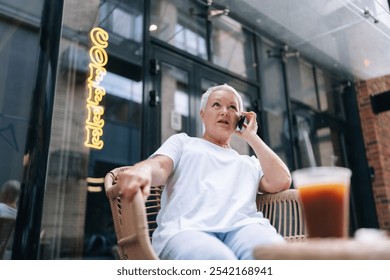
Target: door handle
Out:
[154,99]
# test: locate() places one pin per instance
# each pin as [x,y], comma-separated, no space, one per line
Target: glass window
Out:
[274,102]
[232,47]
[181,24]
[330,93]
[301,82]
[174,101]
[98,97]
[124,23]
[19,59]
[320,146]
[327,142]
[324,89]
[121,20]
[30,12]
[123,99]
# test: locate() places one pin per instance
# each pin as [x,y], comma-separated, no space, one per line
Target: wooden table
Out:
[326,249]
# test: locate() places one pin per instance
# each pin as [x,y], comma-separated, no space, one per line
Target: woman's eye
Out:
[216,104]
[233,107]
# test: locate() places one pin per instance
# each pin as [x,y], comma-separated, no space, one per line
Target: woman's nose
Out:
[224,111]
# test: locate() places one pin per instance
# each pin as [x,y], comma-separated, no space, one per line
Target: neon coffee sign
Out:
[98,59]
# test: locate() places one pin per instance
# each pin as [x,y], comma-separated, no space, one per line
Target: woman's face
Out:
[221,113]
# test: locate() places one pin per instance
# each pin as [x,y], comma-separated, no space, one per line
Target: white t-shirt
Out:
[211,189]
[7,211]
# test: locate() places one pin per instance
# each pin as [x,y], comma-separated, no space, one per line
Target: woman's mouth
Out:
[223,121]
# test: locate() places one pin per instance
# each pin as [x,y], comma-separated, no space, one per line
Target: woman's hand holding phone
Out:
[247,125]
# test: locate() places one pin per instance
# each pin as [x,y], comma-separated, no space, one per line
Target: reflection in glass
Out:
[325,143]
[181,24]
[19,56]
[326,147]
[232,47]
[123,88]
[324,84]
[124,22]
[175,105]
[276,127]
[278,135]
[301,82]
[122,102]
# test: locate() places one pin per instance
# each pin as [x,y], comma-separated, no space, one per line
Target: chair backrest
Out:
[285,213]
[153,206]
[6,228]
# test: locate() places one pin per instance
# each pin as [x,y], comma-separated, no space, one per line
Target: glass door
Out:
[178,87]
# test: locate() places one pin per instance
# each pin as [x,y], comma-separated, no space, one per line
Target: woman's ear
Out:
[201,113]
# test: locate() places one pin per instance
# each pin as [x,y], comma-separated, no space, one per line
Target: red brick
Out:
[376,133]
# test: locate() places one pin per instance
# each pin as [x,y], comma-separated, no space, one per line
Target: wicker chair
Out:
[135,221]
[6,228]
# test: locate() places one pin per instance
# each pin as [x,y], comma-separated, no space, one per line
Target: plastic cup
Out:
[324,194]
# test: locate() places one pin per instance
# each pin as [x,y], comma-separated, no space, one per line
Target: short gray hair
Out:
[225,87]
[9,192]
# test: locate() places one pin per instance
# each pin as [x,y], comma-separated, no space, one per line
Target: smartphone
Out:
[240,122]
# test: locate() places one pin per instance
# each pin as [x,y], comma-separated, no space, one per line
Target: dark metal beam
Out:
[28,222]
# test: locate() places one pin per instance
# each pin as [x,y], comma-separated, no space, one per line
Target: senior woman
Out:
[208,208]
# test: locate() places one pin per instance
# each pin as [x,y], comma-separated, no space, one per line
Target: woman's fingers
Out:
[251,123]
[130,182]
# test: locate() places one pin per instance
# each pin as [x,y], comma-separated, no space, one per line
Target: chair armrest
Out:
[130,221]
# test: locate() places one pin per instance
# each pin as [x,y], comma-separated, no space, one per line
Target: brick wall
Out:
[376,132]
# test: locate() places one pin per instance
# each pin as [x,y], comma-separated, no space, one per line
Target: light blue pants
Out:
[236,244]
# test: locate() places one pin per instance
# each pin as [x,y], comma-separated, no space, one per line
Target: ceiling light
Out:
[152,27]
[366,62]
